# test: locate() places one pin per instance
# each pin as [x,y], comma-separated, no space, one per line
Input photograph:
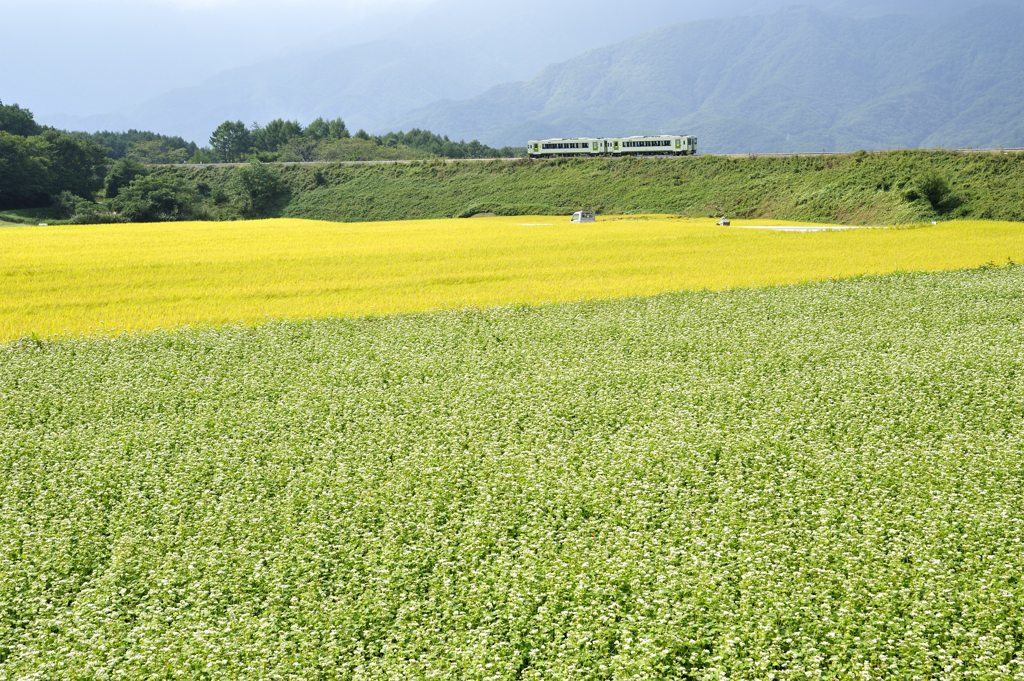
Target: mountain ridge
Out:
[797,80]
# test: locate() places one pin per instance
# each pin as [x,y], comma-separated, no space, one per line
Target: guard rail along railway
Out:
[656,145]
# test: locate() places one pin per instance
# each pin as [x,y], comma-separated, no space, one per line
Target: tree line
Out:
[37,163]
[100,176]
[330,140]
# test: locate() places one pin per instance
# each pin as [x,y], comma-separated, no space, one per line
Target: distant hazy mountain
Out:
[740,74]
[799,79]
[447,49]
[360,83]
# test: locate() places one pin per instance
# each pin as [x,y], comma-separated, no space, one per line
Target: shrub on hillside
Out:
[79,211]
[121,174]
[259,190]
[936,191]
[157,198]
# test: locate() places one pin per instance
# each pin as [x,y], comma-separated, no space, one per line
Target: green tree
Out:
[158,151]
[153,198]
[24,171]
[77,165]
[259,189]
[936,191]
[17,121]
[320,129]
[148,147]
[121,174]
[79,211]
[275,134]
[231,141]
[299,149]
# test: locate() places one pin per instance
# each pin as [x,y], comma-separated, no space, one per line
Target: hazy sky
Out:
[79,58]
[90,56]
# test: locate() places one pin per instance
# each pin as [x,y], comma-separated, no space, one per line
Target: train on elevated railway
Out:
[654,145]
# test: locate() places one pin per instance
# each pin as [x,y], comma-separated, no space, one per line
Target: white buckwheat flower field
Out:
[823,480]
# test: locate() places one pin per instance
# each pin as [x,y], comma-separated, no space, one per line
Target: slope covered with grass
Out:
[813,481]
[878,188]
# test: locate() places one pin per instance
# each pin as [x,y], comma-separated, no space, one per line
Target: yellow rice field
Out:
[103,279]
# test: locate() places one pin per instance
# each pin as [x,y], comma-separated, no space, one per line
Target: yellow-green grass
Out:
[112,278]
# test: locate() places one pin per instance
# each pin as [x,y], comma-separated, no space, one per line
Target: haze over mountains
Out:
[796,80]
[743,76]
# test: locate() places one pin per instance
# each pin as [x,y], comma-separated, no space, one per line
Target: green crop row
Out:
[816,481]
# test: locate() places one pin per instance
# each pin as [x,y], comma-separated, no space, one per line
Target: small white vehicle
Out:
[584,216]
[724,222]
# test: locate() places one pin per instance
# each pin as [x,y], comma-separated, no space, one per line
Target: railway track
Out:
[800,154]
[797,154]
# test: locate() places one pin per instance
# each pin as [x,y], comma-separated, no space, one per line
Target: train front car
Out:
[583,146]
[654,145]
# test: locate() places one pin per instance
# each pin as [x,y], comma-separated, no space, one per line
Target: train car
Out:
[582,146]
[653,145]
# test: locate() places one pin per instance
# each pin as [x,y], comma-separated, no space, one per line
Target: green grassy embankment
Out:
[29,216]
[875,188]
